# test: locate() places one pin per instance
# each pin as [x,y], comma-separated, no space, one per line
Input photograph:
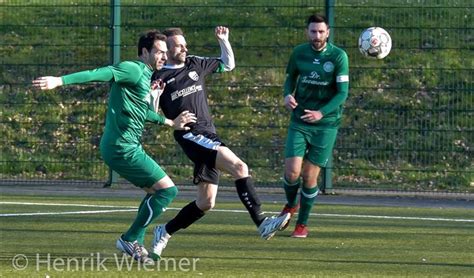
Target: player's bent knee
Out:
[206,205]
[173,191]
[241,169]
[167,195]
[292,177]
[163,183]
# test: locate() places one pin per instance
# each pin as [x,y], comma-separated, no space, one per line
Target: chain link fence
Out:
[408,121]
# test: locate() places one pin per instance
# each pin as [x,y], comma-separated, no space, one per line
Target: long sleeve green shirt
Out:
[319,80]
[129,104]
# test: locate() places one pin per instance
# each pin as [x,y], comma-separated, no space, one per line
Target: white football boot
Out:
[271,225]
[135,250]
[159,241]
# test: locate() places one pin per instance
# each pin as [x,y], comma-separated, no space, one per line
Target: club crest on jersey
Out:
[193,75]
[328,67]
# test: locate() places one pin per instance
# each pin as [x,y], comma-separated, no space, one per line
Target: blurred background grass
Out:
[408,121]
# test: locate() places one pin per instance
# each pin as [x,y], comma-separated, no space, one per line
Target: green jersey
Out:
[319,81]
[129,103]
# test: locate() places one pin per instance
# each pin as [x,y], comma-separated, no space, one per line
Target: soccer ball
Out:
[375,42]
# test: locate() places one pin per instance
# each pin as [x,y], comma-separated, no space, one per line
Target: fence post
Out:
[326,177]
[326,185]
[114,59]
[330,16]
[115,34]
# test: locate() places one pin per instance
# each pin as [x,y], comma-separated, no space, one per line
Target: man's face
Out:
[177,50]
[157,56]
[318,34]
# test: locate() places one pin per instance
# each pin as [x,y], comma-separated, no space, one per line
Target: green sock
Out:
[308,195]
[141,235]
[291,191]
[152,206]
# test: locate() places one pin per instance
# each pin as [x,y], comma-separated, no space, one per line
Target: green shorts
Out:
[133,164]
[313,144]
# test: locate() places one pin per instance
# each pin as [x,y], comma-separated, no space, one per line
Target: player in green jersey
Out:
[130,104]
[315,89]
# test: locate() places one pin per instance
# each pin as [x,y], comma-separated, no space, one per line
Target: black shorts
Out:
[201,148]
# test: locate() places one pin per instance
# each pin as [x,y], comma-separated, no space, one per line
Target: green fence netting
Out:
[409,119]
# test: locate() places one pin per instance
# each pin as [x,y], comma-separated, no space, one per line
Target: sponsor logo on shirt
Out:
[193,75]
[316,61]
[314,75]
[186,91]
[312,79]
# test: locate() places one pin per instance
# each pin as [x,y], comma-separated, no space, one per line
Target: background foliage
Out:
[408,122]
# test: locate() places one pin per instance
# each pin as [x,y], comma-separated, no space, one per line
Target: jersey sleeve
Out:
[342,84]
[291,76]
[227,56]
[208,65]
[99,74]
[126,72]
[153,117]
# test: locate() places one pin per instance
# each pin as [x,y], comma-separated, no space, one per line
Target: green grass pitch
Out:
[75,237]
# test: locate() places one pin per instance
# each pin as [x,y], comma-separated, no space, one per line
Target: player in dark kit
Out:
[184,77]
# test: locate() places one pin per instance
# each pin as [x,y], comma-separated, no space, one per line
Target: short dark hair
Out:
[147,40]
[173,32]
[317,18]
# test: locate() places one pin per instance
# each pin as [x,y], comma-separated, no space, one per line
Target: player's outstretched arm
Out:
[47,82]
[227,55]
[99,74]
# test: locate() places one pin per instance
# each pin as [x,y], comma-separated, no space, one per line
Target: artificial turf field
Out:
[64,236]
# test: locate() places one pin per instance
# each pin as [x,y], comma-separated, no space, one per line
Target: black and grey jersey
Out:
[185,90]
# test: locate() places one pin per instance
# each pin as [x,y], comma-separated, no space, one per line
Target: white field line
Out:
[65,205]
[65,212]
[132,209]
